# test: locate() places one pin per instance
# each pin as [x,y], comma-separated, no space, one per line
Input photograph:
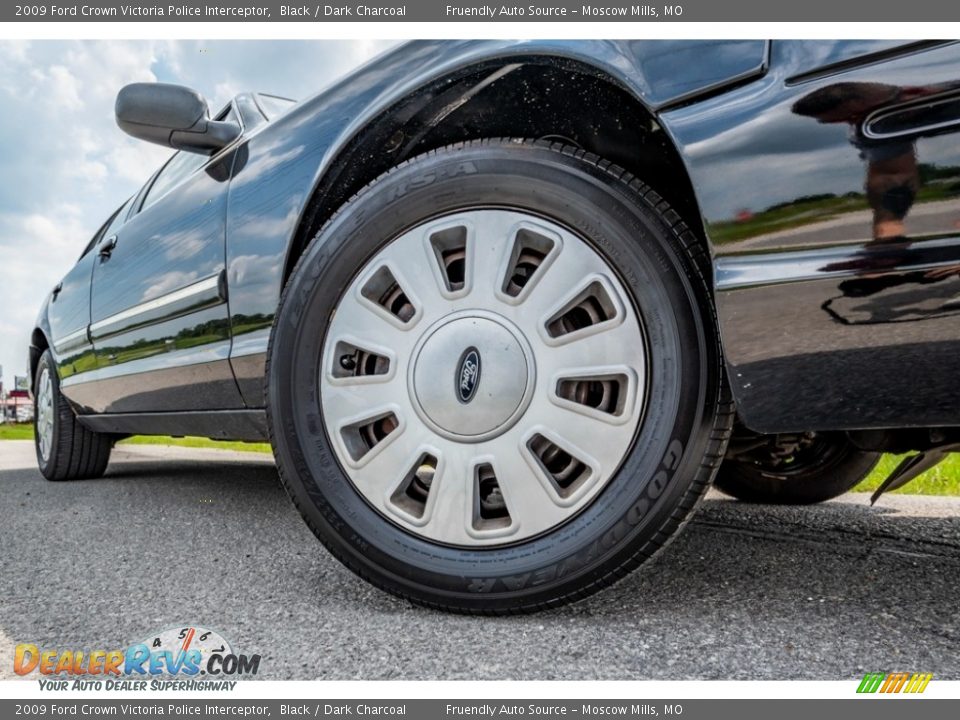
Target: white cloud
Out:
[64,164]
[64,92]
[168,282]
[35,252]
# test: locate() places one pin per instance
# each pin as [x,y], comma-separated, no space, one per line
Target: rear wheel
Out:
[494,383]
[65,449]
[794,468]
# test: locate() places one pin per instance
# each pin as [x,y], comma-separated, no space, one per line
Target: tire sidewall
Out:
[628,515]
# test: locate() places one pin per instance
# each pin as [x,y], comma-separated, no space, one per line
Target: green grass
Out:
[18,431]
[196,442]
[785,218]
[808,211]
[942,480]
[24,431]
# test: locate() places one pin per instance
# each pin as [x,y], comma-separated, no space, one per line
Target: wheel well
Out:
[534,98]
[38,343]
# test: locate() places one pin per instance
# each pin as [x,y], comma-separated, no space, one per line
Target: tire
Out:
[477,547]
[65,449]
[828,468]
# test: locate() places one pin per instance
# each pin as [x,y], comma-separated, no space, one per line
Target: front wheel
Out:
[494,383]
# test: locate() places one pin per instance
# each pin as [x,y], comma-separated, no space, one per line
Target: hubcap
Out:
[44,427]
[461,348]
[483,378]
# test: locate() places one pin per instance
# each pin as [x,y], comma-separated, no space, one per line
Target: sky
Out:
[64,164]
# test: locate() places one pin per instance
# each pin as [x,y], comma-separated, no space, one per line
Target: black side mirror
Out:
[172,115]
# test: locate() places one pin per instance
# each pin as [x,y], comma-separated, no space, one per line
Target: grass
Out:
[806,211]
[24,431]
[196,442]
[18,431]
[944,479]
[785,218]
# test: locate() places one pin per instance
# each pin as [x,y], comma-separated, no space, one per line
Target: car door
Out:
[159,319]
[68,311]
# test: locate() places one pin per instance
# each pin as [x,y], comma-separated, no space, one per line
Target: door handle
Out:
[107,246]
[917,118]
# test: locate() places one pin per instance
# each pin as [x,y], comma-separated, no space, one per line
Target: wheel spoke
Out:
[379,476]
[586,437]
[615,345]
[490,252]
[413,262]
[530,501]
[369,327]
[452,502]
[353,398]
[567,272]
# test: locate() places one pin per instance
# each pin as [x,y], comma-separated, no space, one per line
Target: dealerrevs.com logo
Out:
[181,658]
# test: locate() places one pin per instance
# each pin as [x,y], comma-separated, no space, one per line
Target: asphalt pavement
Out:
[174,536]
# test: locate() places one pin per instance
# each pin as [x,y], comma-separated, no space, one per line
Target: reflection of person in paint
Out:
[892,181]
[892,176]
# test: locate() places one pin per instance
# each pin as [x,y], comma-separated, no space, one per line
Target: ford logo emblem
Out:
[468,375]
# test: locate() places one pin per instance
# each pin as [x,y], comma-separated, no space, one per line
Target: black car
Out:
[506,309]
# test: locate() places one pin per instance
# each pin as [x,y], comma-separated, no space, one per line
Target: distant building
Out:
[16,406]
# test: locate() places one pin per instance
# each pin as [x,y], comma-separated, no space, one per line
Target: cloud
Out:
[168,282]
[64,164]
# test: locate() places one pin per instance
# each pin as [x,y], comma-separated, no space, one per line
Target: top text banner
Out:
[443,11]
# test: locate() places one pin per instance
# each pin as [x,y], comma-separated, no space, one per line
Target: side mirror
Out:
[172,115]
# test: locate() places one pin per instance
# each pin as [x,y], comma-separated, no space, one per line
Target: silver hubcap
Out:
[483,378]
[44,427]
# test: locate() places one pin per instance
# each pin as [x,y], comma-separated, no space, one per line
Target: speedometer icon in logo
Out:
[181,640]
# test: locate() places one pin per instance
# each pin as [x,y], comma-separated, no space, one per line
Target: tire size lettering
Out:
[636,513]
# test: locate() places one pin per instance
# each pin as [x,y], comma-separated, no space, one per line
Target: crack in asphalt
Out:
[919,548]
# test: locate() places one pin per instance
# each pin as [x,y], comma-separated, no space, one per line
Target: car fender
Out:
[289,163]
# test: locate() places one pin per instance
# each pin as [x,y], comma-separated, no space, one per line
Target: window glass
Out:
[110,226]
[179,168]
[118,218]
[228,114]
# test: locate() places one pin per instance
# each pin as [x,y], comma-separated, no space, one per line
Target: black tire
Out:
[75,452]
[831,467]
[677,449]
